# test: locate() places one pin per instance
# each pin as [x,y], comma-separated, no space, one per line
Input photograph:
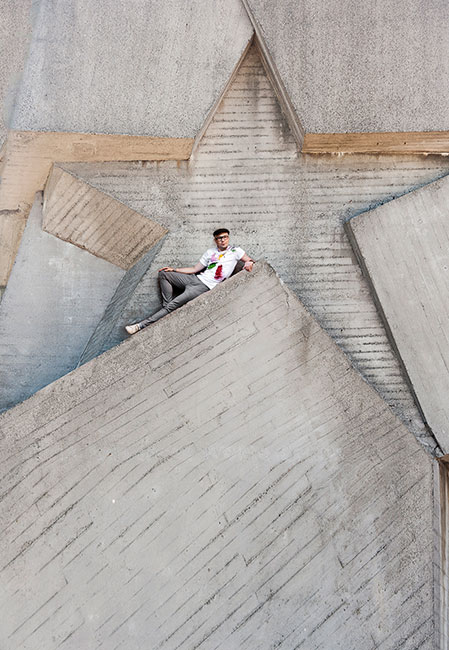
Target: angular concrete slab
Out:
[55,298]
[82,215]
[247,175]
[145,68]
[404,248]
[223,479]
[361,67]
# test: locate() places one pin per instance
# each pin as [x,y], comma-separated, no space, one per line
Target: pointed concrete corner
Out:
[403,248]
[360,77]
[224,477]
[78,213]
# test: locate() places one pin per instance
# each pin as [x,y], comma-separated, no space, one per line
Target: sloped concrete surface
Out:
[56,295]
[354,67]
[139,67]
[78,213]
[246,174]
[403,246]
[224,479]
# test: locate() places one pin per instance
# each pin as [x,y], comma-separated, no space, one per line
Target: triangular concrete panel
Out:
[223,479]
[403,247]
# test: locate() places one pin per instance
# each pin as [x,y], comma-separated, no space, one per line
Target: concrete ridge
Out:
[410,291]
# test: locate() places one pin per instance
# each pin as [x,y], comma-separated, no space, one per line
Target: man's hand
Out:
[166,268]
[248,266]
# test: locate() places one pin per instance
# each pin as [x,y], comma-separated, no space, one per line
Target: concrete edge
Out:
[118,303]
[275,79]
[212,111]
[441,553]
[366,274]
[56,390]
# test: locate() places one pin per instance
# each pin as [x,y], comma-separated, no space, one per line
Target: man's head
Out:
[221,236]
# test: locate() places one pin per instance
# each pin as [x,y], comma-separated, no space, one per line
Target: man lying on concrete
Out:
[215,265]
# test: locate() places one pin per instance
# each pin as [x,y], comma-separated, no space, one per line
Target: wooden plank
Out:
[27,160]
[29,156]
[413,142]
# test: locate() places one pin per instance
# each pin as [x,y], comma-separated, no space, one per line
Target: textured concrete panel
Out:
[141,67]
[99,341]
[15,34]
[352,66]
[288,208]
[223,479]
[56,295]
[403,247]
[78,213]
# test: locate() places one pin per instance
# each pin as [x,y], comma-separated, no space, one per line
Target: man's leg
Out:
[192,288]
[168,280]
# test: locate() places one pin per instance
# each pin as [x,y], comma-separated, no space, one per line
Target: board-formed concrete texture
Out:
[82,215]
[141,67]
[404,249]
[290,209]
[360,67]
[15,34]
[55,298]
[224,479]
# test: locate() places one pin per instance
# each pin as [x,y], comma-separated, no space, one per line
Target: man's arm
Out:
[188,269]
[248,266]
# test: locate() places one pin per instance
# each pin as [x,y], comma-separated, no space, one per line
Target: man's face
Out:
[222,241]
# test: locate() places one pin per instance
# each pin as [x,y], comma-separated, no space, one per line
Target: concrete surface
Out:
[99,342]
[80,214]
[224,479]
[16,18]
[56,295]
[140,67]
[352,66]
[287,208]
[403,246]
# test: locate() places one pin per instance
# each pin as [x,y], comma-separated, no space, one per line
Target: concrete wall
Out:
[135,67]
[403,247]
[225,478]
[15,34]
[349,66]
[247,175]
[56,295]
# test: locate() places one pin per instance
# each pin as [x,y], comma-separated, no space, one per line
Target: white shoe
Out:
[132,329]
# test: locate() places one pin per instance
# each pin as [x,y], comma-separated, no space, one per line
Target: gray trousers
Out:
[190,286]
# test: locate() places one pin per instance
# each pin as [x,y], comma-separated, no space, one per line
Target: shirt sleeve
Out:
[239,252]
[204,259]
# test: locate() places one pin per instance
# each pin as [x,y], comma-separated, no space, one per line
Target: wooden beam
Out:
[27,157]
[414,142]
